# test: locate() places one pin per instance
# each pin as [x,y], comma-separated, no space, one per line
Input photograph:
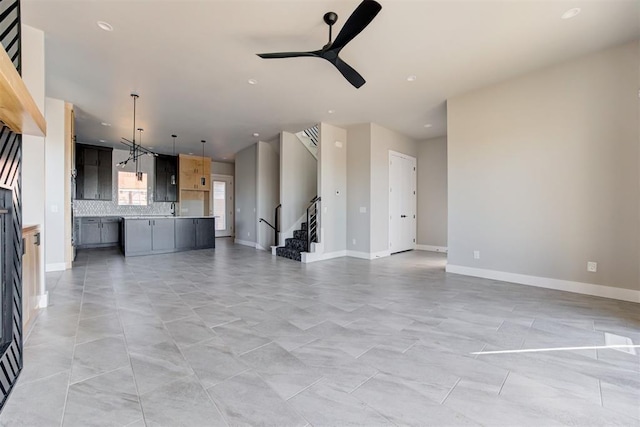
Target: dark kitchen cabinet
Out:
[164,234]
[185,233]
[205,233]
[94,171]
[166,177]
[94,232]
[138,236]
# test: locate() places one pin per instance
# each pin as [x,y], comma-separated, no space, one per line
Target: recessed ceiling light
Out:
[411,78]
[190,154]
[331,111]
[105,124]
[105,26]
[428,125]
[102,140]
[150,146]
[224,158]
[256,134]
[571,13]
[252,81]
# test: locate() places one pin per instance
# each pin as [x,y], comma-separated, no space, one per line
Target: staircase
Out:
[295,246]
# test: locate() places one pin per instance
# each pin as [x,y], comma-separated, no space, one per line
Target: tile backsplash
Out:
[111,207]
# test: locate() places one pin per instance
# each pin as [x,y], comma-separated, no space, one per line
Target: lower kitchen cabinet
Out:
[97,232]
[163,234]
[185,233]
[152,236]
[138,236]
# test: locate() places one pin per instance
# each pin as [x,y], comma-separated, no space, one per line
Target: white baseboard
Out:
[57,266]
[308,257]
[368,255]
[43,300]
[245,243]
[432,248]
[545,282]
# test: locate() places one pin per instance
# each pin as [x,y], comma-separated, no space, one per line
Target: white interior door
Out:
[222,204]
[402,202]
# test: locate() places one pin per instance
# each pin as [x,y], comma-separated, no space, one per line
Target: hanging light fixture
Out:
[173,175]
[136,150]
[203,181]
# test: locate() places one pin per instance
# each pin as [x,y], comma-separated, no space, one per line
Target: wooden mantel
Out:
[18,110]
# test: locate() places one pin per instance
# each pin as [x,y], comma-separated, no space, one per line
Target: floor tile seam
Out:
[66,398]
[450,391]
[257,348]
[285,401]
[97,375]
[178,319]
[20,384]
[378,372]
[195,374]
[503,383]
[600,393]
[114,335]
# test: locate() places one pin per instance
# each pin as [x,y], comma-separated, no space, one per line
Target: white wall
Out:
[543,174]
[268,192]
[221,168]
[55,203]
[432,193]
[359,188]
[246,195]
[298,182]
[332,183]
[383,140]
[33,151]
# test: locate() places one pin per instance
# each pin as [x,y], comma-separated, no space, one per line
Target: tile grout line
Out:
[600,392]
[75,338]
[503,383]
[305,388]
[449,392]
[364,382]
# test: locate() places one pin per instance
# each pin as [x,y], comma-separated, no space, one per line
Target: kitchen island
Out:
[147,235]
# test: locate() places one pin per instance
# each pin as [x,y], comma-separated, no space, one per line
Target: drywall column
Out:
[268,187]
[432,195]
[544,177]
[332,184]
[298,183]
[55,186]
[246,195]
[33,152]
[383,140]
[359,190]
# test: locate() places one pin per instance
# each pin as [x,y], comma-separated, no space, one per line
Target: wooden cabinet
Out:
[192,170]
[30,274]
[94,171]
[166,179]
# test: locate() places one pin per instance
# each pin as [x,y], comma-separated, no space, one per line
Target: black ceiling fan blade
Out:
[358,21]
[278,55]
[348,72]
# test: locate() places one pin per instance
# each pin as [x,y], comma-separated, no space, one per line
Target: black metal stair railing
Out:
[312,221]
[276,237]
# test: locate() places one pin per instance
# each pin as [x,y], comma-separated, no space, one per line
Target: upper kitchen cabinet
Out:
[94,172]
[166,177]
[192,170]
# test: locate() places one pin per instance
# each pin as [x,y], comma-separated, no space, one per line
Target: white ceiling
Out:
[190,62]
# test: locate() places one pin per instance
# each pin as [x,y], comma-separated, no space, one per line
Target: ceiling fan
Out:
[358,21]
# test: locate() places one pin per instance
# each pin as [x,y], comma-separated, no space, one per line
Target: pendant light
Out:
[135,149]
[173,175]
[203,181]
[138,171]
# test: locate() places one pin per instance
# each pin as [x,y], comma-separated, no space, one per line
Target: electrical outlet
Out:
[592,266]
[248,234]
[363,209]
[476,254]
[353,241]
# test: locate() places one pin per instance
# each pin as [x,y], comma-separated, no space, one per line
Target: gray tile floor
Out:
[237,337]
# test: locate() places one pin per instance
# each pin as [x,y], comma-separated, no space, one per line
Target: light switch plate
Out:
[363,209]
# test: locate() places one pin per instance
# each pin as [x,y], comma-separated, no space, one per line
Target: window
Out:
[131,191]
[219,204]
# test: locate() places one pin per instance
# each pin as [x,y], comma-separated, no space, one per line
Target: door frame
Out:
[230,230]
[414,199]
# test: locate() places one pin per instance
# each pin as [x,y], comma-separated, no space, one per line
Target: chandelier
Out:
[136,150]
